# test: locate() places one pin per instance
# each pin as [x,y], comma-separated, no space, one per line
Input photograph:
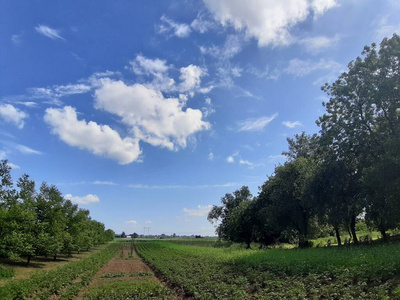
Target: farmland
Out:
[366,272]
[207,269]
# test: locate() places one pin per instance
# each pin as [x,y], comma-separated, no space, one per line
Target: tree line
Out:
[349,170]
[34,223]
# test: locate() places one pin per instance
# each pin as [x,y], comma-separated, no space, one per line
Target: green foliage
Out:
[43,223]
[365,272]
[6,273]
[143,289]
[67,280]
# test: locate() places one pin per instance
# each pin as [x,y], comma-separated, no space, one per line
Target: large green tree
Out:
[233,217]
[361,125]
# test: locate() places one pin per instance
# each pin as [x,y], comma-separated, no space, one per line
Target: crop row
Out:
[66,281]
[209,273]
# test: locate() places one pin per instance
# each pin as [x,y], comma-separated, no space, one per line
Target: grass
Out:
[364,272]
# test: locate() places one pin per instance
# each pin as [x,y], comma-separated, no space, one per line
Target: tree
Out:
[288,195]
[362,123]
[232,216]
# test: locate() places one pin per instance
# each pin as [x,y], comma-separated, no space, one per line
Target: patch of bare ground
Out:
[125,266]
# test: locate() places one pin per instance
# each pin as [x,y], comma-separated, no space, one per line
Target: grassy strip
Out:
[6,273]
[66,280]
[143,289]
[368,272]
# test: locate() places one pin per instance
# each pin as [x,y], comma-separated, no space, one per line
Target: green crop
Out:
[66,281]
[366,272]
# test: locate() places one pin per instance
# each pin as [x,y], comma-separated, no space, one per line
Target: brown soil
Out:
[121,263]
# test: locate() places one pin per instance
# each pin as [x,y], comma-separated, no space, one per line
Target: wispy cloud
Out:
[290,124]
[166,187]
[318,44]
[256,124]
[49,32]
[26,150]
[98,182]
[131,222]
[201,211]
[300,68]
[180,30]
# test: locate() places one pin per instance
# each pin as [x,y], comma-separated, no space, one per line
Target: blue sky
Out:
[148,112]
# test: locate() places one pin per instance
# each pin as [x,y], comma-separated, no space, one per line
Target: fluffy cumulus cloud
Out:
[268,21]
[99,139]
[201,211]
[88,199]
[150,116]
[256,124]
[13,115]
[190,77]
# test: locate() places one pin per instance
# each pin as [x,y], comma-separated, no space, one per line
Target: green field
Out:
[364,272]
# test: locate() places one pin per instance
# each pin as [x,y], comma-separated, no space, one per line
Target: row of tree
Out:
[42,222]
[350,170]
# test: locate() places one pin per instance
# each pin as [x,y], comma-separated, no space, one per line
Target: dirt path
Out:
[126,265]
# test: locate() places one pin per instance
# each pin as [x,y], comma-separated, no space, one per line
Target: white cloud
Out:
[300,68]
[210,156]
[173,187]
[49,32]
[98,182]
[317,44]
[152,118]
[276,158]
[256,124]
[290,124]
[26,150]
[268,21]
[180,30]
[201,211]
[148,222]
[13,115]
[143,65]
[13,166]
[246,162]
[232,46]
[16,39]
[131,222]
[385,27]
[3,155]
[190,77]
[90,198]
[99,139]
[230,159]
[321,6]
[201,24]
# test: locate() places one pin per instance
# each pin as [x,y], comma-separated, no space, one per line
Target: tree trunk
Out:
[339,241]
[55,257]
[384,235]
[28,259]
[353,230]
[248,245]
